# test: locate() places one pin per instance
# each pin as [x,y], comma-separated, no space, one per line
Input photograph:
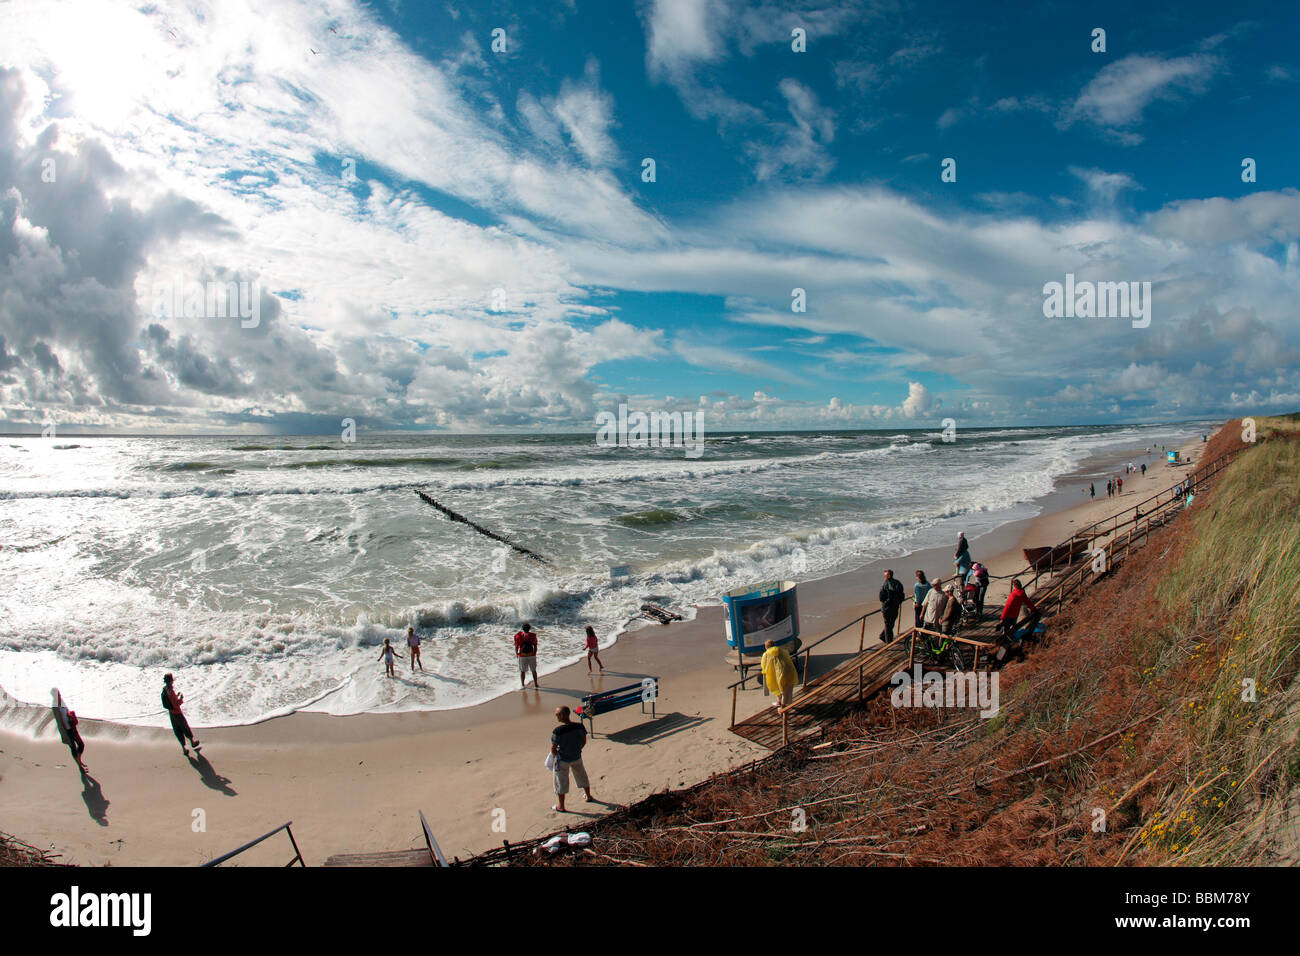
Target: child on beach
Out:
[413,642]
[593,650]
[388,656]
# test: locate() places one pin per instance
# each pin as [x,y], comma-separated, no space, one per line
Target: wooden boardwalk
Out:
[832,694]
[866,673]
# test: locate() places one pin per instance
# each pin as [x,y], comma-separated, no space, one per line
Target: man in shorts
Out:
[526,653]
[567,741]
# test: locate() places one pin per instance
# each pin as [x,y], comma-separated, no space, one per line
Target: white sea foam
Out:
[266,591]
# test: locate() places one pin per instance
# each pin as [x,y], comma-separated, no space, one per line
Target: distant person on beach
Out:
[172,704]
[779,672]
[413,642]
[567,741]
[593,650]
[919,591]
[1119,486]
[66,720]
[1092,491]
[389,657]
[935,604]
[1011,610]
[891,599]
[526,652]
[1144,469]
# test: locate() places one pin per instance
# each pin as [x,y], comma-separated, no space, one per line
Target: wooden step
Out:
[390,858]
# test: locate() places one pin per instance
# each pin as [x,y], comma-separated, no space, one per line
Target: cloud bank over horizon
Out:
[449,227]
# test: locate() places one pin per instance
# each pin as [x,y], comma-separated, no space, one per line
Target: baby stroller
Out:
[970,613]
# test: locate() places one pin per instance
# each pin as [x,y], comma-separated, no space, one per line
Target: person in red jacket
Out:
[1011,610]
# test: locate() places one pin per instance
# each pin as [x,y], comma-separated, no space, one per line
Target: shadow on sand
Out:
[210,776]
[96,803]
[657,729]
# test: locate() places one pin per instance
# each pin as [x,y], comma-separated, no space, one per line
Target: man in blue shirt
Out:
[567,741]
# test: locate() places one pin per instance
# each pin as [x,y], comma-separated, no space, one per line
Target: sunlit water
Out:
[266,573]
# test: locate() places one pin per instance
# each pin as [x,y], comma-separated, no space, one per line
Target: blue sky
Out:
[498,261]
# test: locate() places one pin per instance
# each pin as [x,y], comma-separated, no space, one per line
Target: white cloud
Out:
[1121,91]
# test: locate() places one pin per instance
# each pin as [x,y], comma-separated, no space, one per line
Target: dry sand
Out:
[354,784]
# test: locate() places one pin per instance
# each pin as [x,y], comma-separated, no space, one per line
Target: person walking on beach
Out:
[389,657]
[172,704]
[66,721]
[1119,487]
[593,650]
[413,642]
[891,598]
[935,604]
[779,672]
[1144,469]
[919,590]
[1092,491]
[526,652]
[567,741]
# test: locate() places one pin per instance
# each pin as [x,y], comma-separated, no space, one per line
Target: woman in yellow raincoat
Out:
[779,672]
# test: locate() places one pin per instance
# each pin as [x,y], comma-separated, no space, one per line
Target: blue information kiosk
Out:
[761,613]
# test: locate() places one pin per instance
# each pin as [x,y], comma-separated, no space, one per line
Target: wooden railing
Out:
[1088,534]
[805,653]
[286,827]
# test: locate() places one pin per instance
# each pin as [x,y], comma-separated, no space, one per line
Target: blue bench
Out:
[642,692]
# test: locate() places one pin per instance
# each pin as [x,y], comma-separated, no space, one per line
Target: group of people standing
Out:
[937,605]
[525,652]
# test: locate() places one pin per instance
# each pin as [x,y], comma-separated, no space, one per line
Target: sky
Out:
[496,216]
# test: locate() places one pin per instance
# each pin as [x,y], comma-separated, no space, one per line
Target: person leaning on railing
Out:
[1011,610]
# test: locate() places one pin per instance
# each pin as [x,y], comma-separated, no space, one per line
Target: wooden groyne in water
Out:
[482,530]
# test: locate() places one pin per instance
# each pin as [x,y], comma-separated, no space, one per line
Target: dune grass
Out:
[1230,604]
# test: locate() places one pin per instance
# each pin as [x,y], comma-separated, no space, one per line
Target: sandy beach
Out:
[354,784]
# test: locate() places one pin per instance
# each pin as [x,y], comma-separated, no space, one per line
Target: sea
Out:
[266,572]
